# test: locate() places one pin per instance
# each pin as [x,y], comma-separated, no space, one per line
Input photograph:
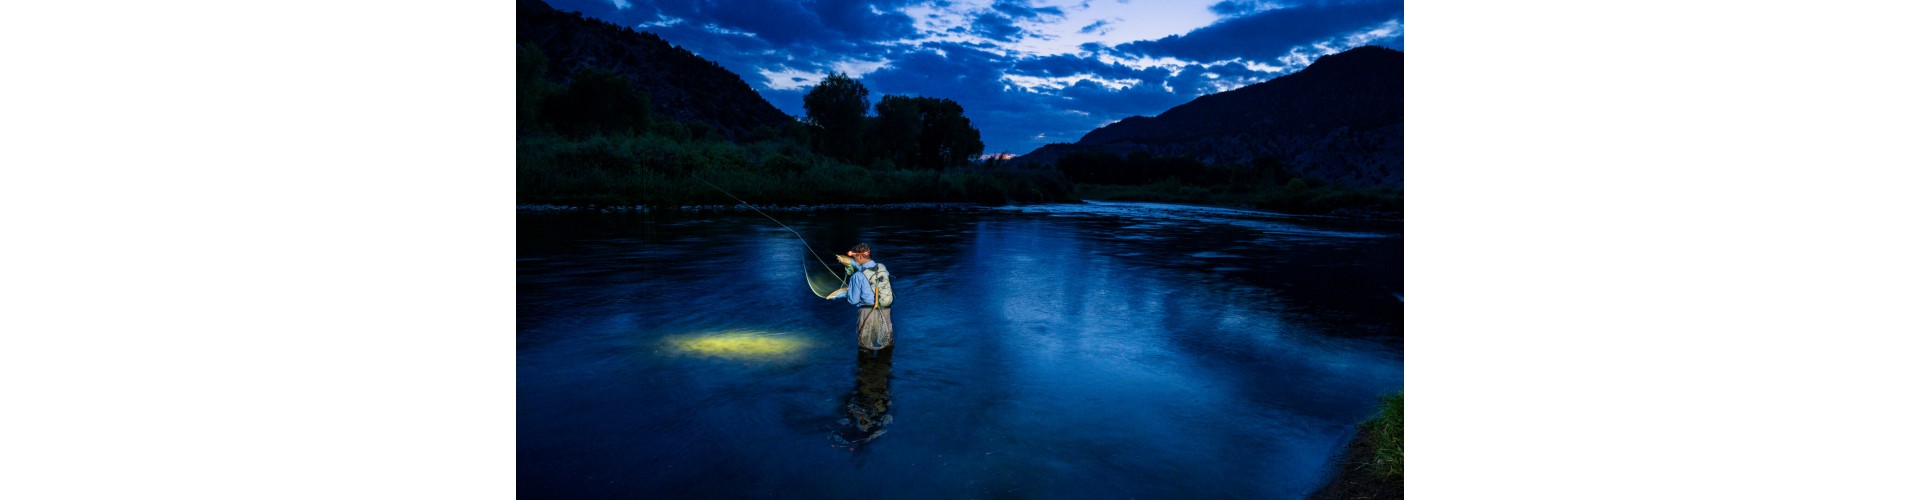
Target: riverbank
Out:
[824,207]
[550,208]
[1296,196]
[658,171]
[1373,466]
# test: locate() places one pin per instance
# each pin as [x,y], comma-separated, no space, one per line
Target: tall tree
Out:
[947,137]
[837,105]
[896,130]
[925,132]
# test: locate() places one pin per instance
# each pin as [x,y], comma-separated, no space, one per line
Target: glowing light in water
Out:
[739,344]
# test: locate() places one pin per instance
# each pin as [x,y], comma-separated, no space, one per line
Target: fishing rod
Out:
[803,241]
[796,234]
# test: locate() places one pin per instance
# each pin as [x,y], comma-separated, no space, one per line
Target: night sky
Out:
[1028,72]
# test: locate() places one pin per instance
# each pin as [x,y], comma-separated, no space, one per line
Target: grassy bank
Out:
[1386,435]
[1296,196]
[1374,465]
[662,171]
[594,140]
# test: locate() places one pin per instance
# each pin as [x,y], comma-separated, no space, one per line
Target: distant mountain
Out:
[683,86]
[1339,119]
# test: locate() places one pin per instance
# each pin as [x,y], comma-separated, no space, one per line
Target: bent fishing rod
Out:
[803,241]
[796,234]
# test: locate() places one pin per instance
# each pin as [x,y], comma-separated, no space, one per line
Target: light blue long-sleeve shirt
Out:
[859,292]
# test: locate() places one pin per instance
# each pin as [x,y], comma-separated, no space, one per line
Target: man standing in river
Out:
[870,290]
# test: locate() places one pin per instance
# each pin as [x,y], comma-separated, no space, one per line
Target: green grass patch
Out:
[1385,435]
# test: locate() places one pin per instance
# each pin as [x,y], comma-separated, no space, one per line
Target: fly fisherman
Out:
[871,293]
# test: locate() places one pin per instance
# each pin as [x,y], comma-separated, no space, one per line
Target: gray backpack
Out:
[882,285]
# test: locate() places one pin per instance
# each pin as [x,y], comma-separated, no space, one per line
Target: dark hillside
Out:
[1339,119]
[681,85]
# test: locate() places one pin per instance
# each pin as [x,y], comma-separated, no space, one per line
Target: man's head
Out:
[861,253]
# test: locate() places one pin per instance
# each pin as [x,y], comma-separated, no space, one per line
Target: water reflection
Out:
[867,416]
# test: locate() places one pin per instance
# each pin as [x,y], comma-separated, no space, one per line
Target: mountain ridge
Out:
[1340,119]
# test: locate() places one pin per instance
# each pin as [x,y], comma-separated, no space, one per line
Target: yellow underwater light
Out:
[738,344]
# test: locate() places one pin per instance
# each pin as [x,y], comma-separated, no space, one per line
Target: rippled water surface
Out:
[1103,350]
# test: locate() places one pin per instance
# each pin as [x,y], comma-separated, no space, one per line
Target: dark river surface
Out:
[1106,350]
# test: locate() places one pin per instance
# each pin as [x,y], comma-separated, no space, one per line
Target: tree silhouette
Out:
[896,130]
[924,132]
[837,106]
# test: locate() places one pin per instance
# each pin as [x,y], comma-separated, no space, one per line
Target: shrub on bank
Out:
[595,141]
[1385,434]
[664,171]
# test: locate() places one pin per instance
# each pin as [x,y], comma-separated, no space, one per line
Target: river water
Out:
[1104,350]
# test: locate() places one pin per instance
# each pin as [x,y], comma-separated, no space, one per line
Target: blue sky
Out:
[1028,72]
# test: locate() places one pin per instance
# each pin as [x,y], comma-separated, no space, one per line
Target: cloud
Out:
[995,26]
[664,21]
[1026,10]
[1266,35]
[786,22]
[1061,82]
[857,68]
[1059,66]
[784,78]
[952,70]
[1098,27]
[972,78]
[1027,72]
[1105,103]
[724,31]
[1231,8]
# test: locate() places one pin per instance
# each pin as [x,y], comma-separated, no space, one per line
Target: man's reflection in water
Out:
[867,416]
